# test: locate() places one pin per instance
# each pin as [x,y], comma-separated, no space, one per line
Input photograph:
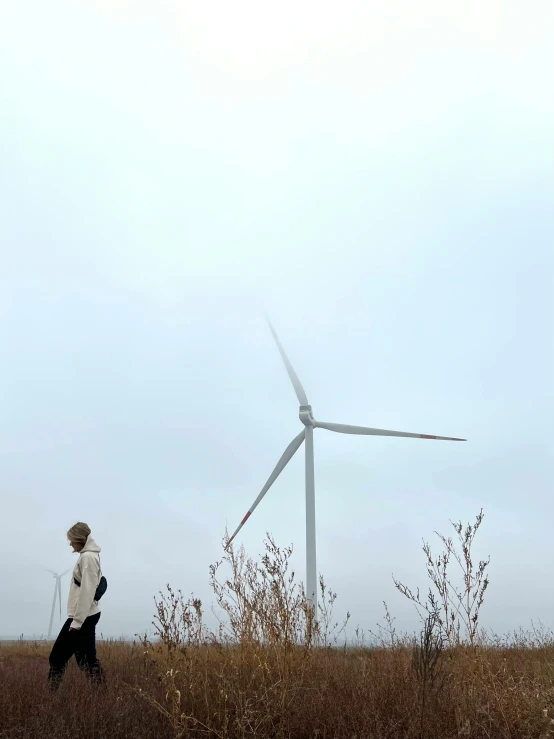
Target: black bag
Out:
[100,590]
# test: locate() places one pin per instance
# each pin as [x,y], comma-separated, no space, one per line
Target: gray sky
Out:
[379,178]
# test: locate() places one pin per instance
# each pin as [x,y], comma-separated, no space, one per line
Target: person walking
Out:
[78,634]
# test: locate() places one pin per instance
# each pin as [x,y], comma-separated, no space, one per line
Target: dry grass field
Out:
[268,672]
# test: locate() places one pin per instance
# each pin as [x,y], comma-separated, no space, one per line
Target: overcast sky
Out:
[379,177]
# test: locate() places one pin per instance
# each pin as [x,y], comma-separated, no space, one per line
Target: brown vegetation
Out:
[269,671]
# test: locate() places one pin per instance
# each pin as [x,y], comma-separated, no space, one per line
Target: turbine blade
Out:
[50,571]
[287,455]
[300,394]
[65,573]
[341,428]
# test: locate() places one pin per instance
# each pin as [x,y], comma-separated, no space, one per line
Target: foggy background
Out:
[378,177]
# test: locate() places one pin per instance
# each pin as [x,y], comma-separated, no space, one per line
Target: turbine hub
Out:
[306,415]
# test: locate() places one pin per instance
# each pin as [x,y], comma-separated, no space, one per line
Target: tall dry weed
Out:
[455,607]
[427,664]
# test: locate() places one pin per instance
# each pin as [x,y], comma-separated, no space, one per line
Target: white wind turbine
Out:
[57,594]
[307,435]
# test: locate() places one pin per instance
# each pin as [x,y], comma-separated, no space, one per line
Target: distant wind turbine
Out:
[57,594]
[307,435]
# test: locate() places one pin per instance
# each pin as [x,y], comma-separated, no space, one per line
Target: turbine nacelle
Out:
[306,415]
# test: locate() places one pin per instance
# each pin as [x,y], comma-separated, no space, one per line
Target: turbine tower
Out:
[307,435]
[58,594]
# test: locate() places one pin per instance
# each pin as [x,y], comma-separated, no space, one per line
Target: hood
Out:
[90,546]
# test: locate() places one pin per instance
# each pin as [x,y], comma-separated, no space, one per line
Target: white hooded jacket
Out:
[81,603]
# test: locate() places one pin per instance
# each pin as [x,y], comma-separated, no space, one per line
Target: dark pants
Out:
[82,644]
